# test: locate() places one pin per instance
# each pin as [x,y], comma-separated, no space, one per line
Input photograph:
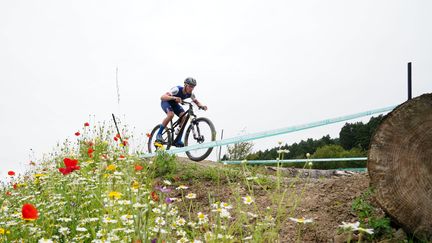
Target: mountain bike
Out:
[200,130]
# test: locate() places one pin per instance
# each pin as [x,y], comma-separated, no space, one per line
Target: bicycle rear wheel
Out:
[200,131]
[166,135]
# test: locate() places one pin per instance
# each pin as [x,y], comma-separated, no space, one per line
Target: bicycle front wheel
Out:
[200,131]
[153,145]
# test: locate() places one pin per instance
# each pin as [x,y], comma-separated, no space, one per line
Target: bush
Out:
[163,164]
[337,151]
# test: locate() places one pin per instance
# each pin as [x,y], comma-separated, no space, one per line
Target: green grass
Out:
[370,217]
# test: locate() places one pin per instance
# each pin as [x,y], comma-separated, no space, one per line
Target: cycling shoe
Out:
[159,138]
[179,144]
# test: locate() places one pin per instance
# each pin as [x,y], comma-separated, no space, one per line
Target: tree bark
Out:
[400,165]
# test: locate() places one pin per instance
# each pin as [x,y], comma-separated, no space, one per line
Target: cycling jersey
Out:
[173,106]
[177,91]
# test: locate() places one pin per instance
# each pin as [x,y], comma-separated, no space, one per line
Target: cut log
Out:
[400,165]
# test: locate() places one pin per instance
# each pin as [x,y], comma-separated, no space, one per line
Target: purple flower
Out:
[168,200]
[163,189]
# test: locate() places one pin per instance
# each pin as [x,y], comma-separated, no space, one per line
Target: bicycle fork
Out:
[196,134]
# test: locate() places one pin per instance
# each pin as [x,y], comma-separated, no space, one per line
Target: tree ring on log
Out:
[400,165]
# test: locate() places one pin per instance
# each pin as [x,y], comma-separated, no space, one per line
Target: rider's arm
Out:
[168,96]
[199,104]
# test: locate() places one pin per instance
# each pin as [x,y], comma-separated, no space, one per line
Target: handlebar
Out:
[190,104]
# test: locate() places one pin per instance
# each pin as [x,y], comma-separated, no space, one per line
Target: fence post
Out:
[220,148]
[409,81]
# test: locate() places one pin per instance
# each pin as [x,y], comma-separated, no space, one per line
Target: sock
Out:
[161,128]
[179,138]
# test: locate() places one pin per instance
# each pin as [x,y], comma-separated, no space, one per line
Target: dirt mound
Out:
[327,199]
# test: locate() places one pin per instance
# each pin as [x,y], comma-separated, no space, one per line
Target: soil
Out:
[327,200]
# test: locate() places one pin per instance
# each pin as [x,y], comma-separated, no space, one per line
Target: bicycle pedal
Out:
[158,145]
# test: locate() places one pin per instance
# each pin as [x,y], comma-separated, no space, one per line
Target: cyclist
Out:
[170,103]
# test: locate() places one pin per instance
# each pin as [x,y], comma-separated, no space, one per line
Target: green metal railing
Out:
[275,132]
[275,161]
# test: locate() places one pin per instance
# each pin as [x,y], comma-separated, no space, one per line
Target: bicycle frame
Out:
[197,130]
[188,114]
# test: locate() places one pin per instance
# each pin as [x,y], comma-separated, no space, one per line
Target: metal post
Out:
[409,81]
[220,148]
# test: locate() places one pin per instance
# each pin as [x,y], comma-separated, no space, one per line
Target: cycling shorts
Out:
[172,106]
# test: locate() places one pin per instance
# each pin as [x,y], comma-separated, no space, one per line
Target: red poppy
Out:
[115,139]
[77,134]
[29,212]
[118,135]
[125,143]
[11,173]
[90,150]
[138,167]
[154,196]
[70,162]
[90,143]
[8,193]
[65,171]
[15,186]
[71,165]
[86,124]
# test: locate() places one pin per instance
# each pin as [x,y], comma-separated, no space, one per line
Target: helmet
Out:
[190,81]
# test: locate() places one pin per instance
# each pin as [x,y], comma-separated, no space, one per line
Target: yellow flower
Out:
[191,195]
[39,175]
[116,195]
[135,185]
[19,185]
[111,167]
[301,220]
[2,231]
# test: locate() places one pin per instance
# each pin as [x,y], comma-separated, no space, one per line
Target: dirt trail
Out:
[326,200]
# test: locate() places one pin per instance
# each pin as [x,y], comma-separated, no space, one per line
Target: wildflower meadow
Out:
[94,189]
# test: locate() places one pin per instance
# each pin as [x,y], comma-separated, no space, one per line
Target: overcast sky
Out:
[259,65]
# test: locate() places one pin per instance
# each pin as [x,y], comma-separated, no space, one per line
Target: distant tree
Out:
[296,150]
[239,151]
[358,134]
[347,135]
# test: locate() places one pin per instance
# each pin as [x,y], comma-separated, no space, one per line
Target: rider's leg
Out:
[165,121]
[178,140]
[167,108]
